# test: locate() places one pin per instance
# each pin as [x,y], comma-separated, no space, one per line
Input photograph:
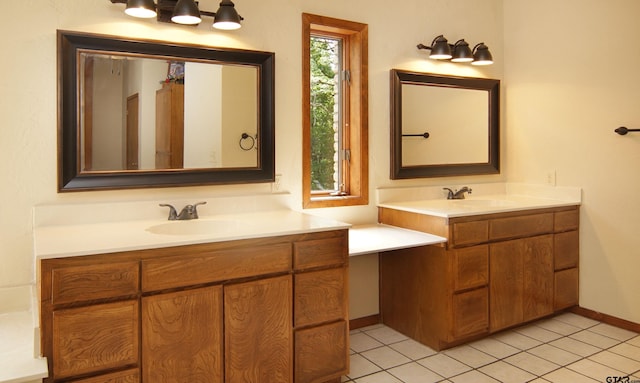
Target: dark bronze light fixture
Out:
[183,12]
[458,52]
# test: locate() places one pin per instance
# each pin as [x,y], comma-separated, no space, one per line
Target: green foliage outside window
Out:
[324,52]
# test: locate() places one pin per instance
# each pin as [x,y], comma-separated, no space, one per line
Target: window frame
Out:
[355,113]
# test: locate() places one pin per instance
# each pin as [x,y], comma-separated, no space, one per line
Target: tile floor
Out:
[567,348]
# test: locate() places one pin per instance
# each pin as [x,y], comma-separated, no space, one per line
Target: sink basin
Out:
[195,227]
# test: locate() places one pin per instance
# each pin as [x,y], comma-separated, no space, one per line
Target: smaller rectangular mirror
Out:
[443,125]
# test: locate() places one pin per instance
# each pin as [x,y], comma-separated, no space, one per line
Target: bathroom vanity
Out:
[208,308]
[506,261]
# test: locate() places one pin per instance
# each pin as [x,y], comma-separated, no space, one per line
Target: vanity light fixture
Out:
[458,52]
[183,12]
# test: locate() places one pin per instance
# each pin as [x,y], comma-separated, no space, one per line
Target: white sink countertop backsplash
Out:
[100,228]
[485,199]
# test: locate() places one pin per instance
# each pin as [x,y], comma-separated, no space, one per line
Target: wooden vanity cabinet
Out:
[496,271]
[269,309]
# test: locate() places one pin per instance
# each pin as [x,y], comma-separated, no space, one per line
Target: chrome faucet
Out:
[188,212]
[458,194]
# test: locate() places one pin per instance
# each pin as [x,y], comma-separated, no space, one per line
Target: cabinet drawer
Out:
[319,296]
[320,252]
[566,220]
[566,250]
[127,376]
[194,269]
[470,267]
[326,343]
[470,233]
[522,226]
[565,289]
[470,313]
[95,281]
[95,338]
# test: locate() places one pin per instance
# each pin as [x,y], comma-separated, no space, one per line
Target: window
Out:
[335,112]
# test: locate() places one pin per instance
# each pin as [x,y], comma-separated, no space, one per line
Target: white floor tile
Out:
[504,372]
[386,335]
[470,356]
[558,326]
[564,375]
[533,364]
[618,362]
[494,348]
[473,377]
[385,357]
[613,332]
[627,350]
[576,320]
[594,339]
[538,333]
[415,373]
[517,340]
[594,370]
[575,346]
[554,354]
[379,377]
[360,366]
[444,365]
[412,349]
[635,341]
[362,342]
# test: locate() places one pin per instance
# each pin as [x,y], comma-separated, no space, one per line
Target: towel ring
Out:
[247,147]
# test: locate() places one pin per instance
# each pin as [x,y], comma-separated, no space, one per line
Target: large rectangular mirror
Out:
[146,114]
[443,125]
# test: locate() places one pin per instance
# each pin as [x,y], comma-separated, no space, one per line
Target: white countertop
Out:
[488,204]
[95,238]
[366,239]
[17,360]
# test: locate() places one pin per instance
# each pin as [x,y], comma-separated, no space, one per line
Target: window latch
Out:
[346,76]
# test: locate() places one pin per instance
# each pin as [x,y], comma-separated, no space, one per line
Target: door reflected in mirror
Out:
[153,114]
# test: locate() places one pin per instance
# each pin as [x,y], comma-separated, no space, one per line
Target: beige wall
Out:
[571,78]
[560,113]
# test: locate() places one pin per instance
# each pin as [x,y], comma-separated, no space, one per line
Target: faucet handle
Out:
[173,214]
[449,193]
[195,210]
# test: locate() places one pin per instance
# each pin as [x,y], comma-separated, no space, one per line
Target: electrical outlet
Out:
[275,185]
[551,177]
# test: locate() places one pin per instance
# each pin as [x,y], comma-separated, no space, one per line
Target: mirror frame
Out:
[70,178]
[492,86]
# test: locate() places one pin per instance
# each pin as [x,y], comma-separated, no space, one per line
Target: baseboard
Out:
[364,321]
[605,318]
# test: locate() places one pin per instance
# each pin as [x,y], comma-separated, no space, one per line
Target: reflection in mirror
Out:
[145,113]
[139,113]
[443,125]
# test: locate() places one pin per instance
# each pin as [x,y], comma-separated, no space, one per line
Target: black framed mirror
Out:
[140,113]
[443,125]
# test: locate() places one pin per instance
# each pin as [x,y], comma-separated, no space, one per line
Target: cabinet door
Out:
[505,284]
[127,376]
[95,338]
[537,277]
[258,331]
[566,289]
[182,336]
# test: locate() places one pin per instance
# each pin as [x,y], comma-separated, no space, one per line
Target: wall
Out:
[571,78]
[28,107]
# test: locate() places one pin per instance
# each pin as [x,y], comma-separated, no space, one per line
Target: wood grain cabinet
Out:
[496,271]
[248,311]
